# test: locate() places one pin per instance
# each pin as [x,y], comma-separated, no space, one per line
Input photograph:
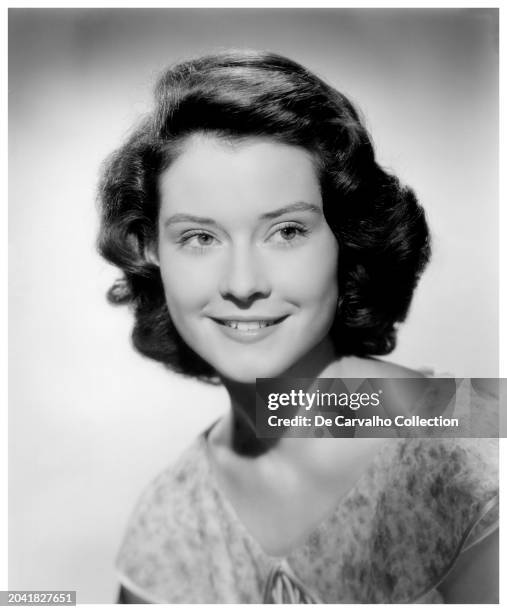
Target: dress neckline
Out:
[320,525]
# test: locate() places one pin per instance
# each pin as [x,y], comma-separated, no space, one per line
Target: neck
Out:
[238,430]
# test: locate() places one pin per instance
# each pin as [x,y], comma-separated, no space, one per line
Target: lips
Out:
[248,324]
[248,330]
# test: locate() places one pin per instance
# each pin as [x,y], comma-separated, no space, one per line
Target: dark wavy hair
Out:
[380,228]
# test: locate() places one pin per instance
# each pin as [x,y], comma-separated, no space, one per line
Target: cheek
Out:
[186,287]
[323,282]
[310,276]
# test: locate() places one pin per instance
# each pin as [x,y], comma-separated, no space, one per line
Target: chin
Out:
[250,372]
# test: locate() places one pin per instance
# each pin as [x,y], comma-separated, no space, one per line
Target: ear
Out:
[151,254]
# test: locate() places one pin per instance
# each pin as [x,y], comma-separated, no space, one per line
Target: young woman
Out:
[259,238]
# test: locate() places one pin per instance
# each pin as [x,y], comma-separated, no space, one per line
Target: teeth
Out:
[247,325]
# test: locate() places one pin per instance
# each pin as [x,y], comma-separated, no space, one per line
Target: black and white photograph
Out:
[203,201]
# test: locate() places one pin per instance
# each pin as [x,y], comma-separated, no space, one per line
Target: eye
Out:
[289,233]
[198,240]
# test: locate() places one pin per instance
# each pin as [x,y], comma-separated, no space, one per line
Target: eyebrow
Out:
[295,207]
[273,214]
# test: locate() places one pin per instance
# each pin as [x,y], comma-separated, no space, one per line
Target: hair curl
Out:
[381,229]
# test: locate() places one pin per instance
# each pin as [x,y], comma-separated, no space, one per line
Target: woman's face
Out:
[247,259]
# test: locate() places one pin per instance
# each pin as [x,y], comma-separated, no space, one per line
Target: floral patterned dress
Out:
[391,539]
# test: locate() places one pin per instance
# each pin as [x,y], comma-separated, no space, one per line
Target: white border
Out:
[251,4]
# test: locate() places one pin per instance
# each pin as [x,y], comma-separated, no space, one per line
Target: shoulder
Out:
[451,478]
[440,500]
[171,490]
[163,532]
[366,367]
[468,465]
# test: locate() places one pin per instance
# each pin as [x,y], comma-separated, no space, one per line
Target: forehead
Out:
[253,175]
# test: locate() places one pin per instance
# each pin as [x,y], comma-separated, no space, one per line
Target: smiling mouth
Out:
[252,325]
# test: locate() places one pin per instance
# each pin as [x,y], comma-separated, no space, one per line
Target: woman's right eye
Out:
[197,240]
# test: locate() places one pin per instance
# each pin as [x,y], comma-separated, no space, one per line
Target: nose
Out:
[245,277]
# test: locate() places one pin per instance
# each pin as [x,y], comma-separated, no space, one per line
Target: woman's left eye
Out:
[288,233]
